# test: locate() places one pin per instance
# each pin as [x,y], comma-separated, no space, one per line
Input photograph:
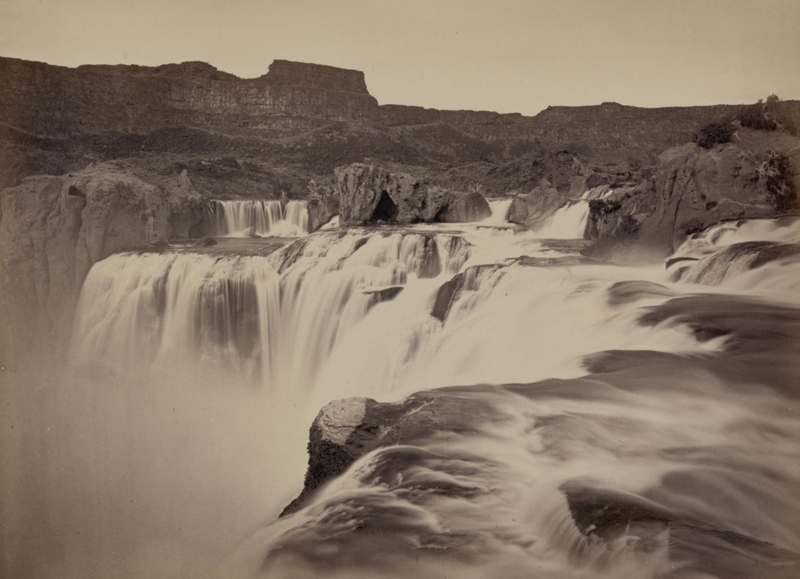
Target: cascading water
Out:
[762,255]
[569,222]
[612,421]
[262,218]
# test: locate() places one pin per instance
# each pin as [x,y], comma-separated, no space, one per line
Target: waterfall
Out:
[262,218]
[569,221]
[499,209]
[180,430]
[243,315]
[754,254]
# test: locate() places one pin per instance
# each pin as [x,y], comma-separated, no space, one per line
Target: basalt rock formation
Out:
[58,101]
[371,194]
[694,188]
[260,137]
[53,229]
[345,430]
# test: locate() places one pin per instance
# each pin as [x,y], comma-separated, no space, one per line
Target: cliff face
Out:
[58,101]
[600,130]
[53,229]
[694,188]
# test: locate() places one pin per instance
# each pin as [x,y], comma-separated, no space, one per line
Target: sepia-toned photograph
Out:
[357,289]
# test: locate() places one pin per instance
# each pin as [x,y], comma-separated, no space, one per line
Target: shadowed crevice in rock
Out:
[385,211]
[446,295]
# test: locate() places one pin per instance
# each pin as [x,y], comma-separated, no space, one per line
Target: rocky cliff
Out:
[693,188]
[371,194]
[56,101]
[259,137]
[99,159]
[53,229]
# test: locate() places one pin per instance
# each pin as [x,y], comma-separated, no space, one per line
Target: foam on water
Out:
[262,218]
[195,377]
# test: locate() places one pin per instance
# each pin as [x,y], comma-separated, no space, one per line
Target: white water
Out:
[728,253]
[569,222]
[180,430]
[262,218]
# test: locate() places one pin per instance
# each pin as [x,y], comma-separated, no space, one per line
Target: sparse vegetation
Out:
[714,133]
[776,170]
[756,116]
[628,227]
[599,207]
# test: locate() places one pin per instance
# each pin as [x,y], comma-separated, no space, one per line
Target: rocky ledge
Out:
[53,229]
[400,476]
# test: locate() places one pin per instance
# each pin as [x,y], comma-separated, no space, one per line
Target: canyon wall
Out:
[57,101]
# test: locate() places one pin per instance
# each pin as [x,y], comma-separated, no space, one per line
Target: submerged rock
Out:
[383,294]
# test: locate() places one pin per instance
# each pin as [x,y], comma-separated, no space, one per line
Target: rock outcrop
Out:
[694,188]
[323,204]
[53,229]
[371,194]
[345,430]
[518,210]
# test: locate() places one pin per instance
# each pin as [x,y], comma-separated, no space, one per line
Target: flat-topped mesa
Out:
[49,100]
[316,76]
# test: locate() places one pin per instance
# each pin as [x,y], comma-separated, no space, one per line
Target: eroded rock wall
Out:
[372,194]
[694,188]
[53,229]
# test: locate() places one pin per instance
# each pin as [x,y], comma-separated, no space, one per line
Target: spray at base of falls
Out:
[196,376]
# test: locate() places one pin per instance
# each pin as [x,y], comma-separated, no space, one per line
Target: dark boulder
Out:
[518,210]
[345,430]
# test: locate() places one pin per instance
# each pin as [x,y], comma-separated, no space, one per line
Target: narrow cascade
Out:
[499,209]
[260,218]
[569,222]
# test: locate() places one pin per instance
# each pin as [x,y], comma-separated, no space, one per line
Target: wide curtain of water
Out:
[260,218]
[178,433]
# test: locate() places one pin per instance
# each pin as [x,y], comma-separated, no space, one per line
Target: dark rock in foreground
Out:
[346,430]
[397,479]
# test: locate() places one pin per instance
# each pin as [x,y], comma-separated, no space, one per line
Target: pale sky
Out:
[502,55]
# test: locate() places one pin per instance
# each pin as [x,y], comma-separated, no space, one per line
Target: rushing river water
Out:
[630,421]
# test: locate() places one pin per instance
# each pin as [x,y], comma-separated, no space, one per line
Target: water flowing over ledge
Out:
[600,420]
[260,218]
